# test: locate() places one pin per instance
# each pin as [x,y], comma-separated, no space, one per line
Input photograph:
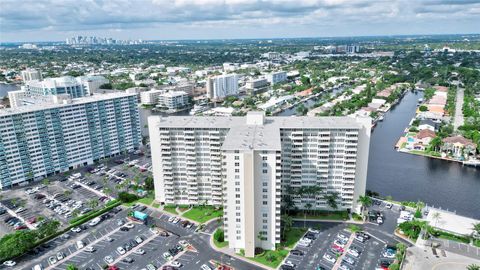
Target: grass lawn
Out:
[203,213]
[271,258]
[146,200]
[156,205]
[170,209]
[220,244]
[292,237]
[476,243]
[337,215]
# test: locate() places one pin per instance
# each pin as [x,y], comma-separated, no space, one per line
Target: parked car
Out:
[329,258]
[121,250]
[296,252]
[108,259]
[9,263]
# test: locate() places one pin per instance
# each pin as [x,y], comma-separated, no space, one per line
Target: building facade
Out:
[222,86]
[48,138]
[30,74]
[173,100]
[248,164]
[276,77]
[150,97]
[57,86]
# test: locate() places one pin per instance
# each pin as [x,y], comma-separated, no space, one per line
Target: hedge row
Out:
[86,217]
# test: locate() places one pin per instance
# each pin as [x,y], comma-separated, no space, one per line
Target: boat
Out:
[472,162]
[198,109]
[380,118]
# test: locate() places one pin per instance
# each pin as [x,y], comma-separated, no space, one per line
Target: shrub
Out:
[219,235]
[423,108]
[394,266]
[418,214]
[126,197]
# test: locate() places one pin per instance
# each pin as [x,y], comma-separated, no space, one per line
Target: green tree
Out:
[93,203]
[48,228]
[331,199]
[71,266]
[435,144]
[149,183]
[219,235]
[365,202]
[476,228]
[17,243]
[287,222]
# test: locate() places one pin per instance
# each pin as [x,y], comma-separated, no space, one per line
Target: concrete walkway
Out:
[458,120]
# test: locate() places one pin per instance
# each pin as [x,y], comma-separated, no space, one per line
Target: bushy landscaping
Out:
[271,258]
[292,236]
[170,209]
[203,214]
[219,239]
[323,215]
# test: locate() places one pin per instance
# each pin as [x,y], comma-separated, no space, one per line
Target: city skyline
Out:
[232,19]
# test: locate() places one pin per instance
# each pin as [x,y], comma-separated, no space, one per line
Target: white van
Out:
[37,267]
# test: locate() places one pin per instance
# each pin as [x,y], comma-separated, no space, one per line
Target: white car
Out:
[76,229]
[289,263]
[9,263]
[353,252]
[303,243]
[108,259]
[329,258]
[109,239]
[175,264]
[389,205]
[379,220]
[313,231]
[183,243]
[343,237]
[52,260]
[121,250]
[60,256]
[205,267]
[80,244]
[171,219]
[130,225]
[176,220]
[139,251]
[167,256]
[339,243]
[94,222]
[90,249]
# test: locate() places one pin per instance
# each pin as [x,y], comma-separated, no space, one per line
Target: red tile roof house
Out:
[441,88]
[459,147]
[425,136]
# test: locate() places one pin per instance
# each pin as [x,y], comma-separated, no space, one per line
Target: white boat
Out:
[472,162]
[198,109]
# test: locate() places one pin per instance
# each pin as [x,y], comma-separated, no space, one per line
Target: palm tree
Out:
[331,199]
[71,267]
[436,216]
[476,229]
[93,203]
[287,224]
[365,201]
[473,267]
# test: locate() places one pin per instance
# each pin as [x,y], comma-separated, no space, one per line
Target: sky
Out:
[55,20]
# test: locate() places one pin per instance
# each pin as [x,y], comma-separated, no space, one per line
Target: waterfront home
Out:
[430,115]
[425,136]
[459,147]
[427,124]
[436,109]
[441,88]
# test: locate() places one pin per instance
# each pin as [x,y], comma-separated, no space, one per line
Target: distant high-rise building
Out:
[52,137]
[276,77]
[353,49]
[248,164]
[30,74]
[173,100]
[222,86]
[55,86]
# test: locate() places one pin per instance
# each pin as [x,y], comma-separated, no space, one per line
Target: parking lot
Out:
[327,246]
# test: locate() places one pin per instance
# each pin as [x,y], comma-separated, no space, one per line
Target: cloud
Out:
[92,15]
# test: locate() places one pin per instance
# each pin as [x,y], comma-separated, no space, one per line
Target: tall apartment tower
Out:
[52,137]
[31,74]
[247,164]
[222,86]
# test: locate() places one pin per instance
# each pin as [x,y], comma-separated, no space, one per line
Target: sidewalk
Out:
[232,253]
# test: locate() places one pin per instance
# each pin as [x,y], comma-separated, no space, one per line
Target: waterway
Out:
[310,102]
[444,184]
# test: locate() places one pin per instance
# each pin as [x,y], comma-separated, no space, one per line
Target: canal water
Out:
[407,177]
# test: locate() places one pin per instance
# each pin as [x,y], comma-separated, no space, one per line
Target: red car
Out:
[32,220]
[337,248]
[113,267]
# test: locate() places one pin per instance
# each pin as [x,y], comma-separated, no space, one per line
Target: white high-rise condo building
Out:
[52,137]
[248,164]
[173,100]
[57,86]
[30,74]
[276,77]
[222,86]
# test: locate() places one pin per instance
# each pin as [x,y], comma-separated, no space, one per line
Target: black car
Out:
[116,210]
[141,208]
[124,229]
[287,267]
[310,236]
[296,252]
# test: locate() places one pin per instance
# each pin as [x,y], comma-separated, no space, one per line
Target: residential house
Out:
[458,146]
[423,139]
[427,124]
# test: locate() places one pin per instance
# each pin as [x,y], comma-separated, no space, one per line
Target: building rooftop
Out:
[451,222]
[51,104]
[249,132]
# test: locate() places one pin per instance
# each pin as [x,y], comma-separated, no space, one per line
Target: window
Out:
[265,215]
[265,165]
[237,189]
[265,171]
[237,195]
[237,183]
[264,158]
[237,164]
[265,202]
[237,170]
[265,190]
[237,158]
[265,184]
